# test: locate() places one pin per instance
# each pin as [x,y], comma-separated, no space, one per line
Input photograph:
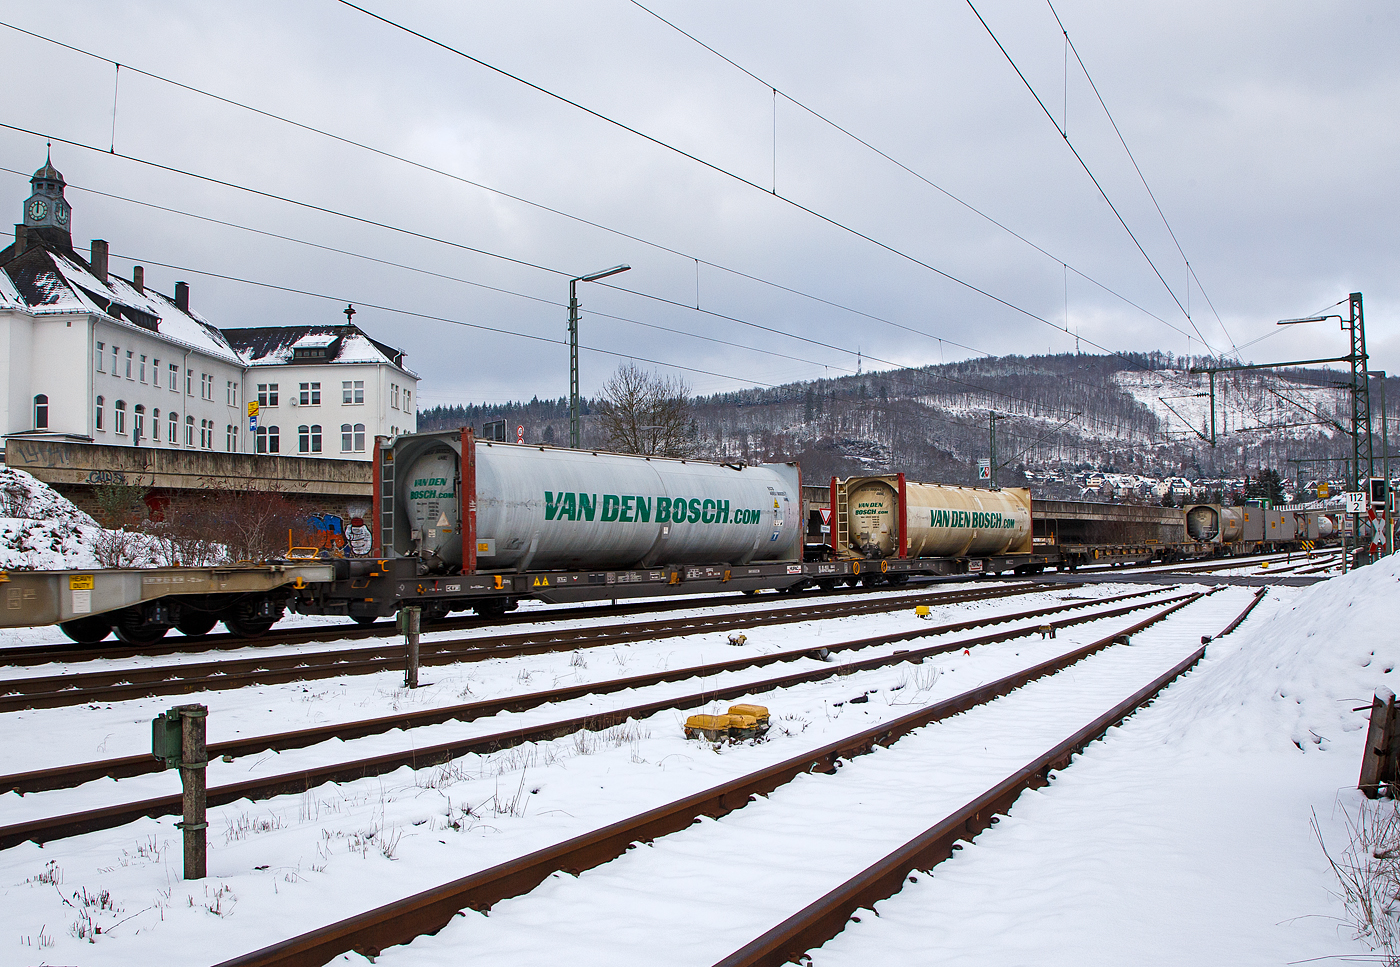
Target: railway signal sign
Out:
[520,433]
[1356,502]
[1323,491]
[984,470]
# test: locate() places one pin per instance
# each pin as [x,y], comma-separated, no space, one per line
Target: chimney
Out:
[21,240]
[182,297]
[98,260]
[138,279]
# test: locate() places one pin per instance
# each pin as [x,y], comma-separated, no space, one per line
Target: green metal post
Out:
[573,366]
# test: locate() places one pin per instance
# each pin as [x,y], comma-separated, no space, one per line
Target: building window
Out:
[267,394]
[155,418]
[99,413]
[101,357]
[310,394]
[189,382]
[269,439]
[143,369]
[407,401]
[189,431]
[120,417]
[130,355]
[309,438]
[228,438]
[352,438]
[155,375]
[138,423]
[394,395]
[352,392]
[174,378]
[206,386]
[41,412]
[115,350]
[173,437]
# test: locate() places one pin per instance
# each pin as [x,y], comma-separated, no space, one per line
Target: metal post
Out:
[412,623]
[573,366]
[1212,408]
[194,762]
[1385,472]
[992,429]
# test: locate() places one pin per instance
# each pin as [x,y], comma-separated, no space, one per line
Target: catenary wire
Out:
[827,219]
[901,165]
[434,318]
[1141,177]
[1065,136]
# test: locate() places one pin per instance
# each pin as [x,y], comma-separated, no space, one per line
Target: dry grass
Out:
[1368,871]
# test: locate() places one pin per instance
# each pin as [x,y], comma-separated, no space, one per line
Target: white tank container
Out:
[943,521]
[1214,524]
[543,508]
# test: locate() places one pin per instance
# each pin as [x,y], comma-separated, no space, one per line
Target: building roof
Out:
[49,282]
[343,343]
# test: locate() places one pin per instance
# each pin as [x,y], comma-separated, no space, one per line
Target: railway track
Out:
[53,691]
[374,932]
[112,648]
[58,826]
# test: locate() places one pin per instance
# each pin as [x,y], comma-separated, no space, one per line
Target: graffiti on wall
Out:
[333,533]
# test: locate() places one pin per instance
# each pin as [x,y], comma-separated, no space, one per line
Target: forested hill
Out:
[1139,413]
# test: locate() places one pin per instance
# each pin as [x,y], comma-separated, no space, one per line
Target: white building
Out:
[324,390]
[89,357]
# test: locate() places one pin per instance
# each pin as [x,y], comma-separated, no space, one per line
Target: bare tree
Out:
[645,413]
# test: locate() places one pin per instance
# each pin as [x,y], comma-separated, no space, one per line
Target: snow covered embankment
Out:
[42,530]
[1307,667]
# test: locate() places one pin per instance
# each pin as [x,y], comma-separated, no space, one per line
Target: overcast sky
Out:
[1267,132]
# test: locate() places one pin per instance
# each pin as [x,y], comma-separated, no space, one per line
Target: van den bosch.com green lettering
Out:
[982,520]
[427,489]
[626,509]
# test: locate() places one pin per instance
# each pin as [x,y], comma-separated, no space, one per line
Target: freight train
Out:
[464,524]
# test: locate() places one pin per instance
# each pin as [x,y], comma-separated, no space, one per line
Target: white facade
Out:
[331,407]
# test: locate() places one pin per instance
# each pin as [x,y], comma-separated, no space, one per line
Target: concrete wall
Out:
[59,462]
[333,495]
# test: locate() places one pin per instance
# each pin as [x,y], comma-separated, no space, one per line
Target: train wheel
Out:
[196,622]
[827,584]
[131,628]
[250,619]
[87,631]
[897,579]
[490,608]
[365,620]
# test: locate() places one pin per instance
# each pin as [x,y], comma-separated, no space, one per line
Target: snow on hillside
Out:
[40,529]
[1240,402]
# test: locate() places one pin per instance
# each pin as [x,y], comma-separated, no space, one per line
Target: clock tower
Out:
[46,212]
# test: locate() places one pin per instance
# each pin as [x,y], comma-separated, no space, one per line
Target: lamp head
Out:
[595,276]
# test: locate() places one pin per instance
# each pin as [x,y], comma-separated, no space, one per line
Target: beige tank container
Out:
[936,520]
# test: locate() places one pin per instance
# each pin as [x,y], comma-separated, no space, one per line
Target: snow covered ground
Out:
[1182,838]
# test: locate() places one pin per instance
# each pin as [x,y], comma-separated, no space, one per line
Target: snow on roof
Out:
[50,283]
[275,345]
[9,295]
[186,328]
[315,340]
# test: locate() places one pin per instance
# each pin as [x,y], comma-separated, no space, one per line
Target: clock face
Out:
[38,208]
[61,214]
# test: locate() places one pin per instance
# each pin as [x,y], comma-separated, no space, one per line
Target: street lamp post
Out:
[1361,438]
[573,347]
